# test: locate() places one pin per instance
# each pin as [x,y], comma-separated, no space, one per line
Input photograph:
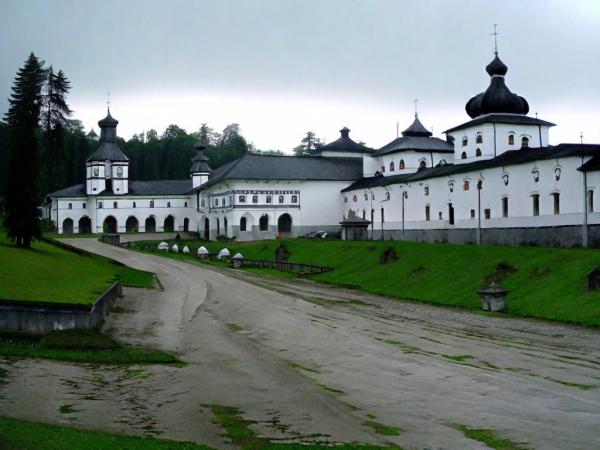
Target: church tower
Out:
[107,169]
[200,169]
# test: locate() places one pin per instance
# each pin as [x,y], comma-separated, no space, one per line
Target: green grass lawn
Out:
[25,435]
[50,273]
[546,283]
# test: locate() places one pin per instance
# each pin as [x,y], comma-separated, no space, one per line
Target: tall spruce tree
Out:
[22,190]
[55,120]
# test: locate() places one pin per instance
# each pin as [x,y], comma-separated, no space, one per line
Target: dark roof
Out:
[512,157]
[417,129]
[591,165]
[497,98]
[200,160]
[155,187]
[270,167]
[515,119]
[108,149]
[345,144]
[92,134]
[416,144]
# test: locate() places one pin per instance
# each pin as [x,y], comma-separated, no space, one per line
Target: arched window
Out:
[511,139]
[466,185]
[422,165]
[382,169]
[392,168]
[354,198]
[590,200]
[478,152]
[185,204]
[401,166]
[465,141]
[442,162]
[294,199]
[243,224]
[426,190]
[366,196]
[524,142]
[263,223]
[269,199]
[115,205]
[451,186]
[505,207]
[463,155]
[556,196]
[168,204]
[70,205]
[479,139]
[281,199]
[387,195]
[151,203]
[345,199]
[536,204]
[255,199]
[134,204]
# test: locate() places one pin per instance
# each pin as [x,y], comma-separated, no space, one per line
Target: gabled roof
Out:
[270,167]
[344,144]
[509,158]
[154,187]
[516,119]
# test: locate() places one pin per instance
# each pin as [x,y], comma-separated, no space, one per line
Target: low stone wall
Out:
[43,317]
[559,236]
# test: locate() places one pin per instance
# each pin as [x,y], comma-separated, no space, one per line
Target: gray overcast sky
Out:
[282,67]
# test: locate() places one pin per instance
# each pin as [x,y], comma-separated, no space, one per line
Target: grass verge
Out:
[18,434]
[545,283]
[54,274]
[79,346]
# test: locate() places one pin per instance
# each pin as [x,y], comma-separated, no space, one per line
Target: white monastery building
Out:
[494,179]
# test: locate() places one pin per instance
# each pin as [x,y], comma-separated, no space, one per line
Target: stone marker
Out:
[493,297]
[224,253]
[202,252]
[186,249]
[238,259]
[175,248]
[163,246]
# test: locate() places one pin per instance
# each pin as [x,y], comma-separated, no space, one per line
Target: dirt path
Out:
[310,362]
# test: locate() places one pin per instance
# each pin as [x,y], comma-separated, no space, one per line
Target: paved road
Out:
[310,362]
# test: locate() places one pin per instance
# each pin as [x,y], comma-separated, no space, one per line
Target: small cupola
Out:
[199,170]
[417,129]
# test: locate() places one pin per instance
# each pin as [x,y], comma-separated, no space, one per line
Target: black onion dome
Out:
[200,160]
[417,129]
[108,121]
[497,98]
[496,67]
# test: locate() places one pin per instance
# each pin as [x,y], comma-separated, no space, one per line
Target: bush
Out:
[223,238]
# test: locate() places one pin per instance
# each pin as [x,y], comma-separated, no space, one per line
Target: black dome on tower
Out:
[497,98]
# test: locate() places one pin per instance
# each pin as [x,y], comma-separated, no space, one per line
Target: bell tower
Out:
[200,170]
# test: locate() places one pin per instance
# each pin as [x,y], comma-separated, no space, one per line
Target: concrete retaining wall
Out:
[43,317]
[559,236]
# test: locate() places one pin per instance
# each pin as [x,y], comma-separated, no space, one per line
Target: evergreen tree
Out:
[22,191]
[308,144]
[55,113]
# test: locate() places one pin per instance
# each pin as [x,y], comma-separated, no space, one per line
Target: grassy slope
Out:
[50,273]
[24,435]
[548,283]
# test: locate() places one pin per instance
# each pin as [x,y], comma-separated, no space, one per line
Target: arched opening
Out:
[206,229]
[263,223]
[186,224]
[85,225]
[478,152]
[68,226]
[225,226]
[450,214]
[243,224]
[479,139]
[392,166]
[150,225]
[110,225]
[218,227]
[284,223]
[463,155]
[524,142]
[169,224]
[132,225]
[401,166]
[422,164]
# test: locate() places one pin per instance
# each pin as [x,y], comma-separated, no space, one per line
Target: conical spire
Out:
[108,149]
[417,129]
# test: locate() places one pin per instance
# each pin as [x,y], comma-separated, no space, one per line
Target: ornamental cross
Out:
[495,34]
[108,100]
[416,100]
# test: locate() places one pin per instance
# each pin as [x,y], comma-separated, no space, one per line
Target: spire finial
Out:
[416,100]
[108,101]
[495,34]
